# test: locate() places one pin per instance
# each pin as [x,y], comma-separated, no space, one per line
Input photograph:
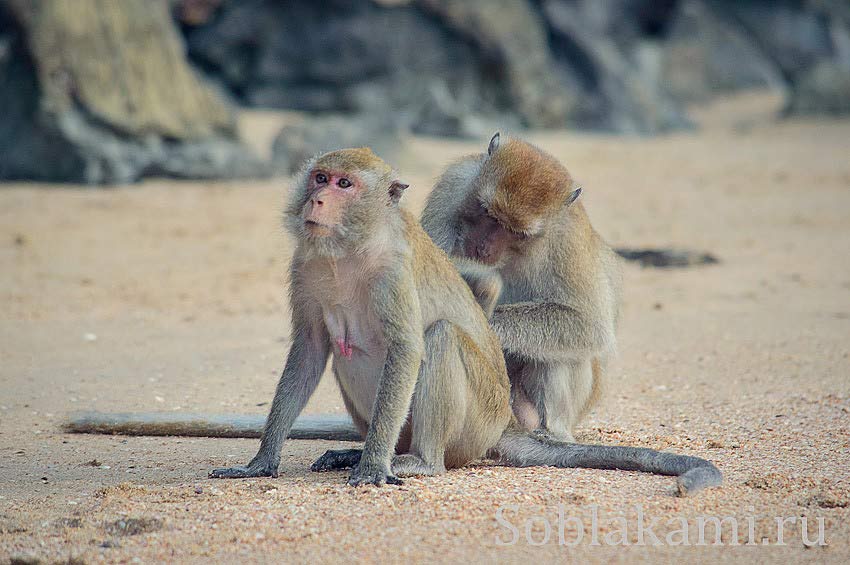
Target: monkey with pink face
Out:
[420,370]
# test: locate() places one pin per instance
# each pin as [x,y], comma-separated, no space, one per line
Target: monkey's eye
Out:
[344,183]
[321,178]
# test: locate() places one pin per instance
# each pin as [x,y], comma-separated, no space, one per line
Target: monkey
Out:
[484,282]
[419,368]
[515,209]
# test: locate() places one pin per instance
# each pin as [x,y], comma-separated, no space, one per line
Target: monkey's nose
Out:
[316,202]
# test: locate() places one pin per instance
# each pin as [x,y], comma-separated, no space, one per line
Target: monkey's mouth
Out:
[314,228]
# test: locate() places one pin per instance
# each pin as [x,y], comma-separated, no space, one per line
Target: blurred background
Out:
[105,92]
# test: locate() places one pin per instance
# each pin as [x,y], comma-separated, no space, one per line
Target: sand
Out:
[170,296]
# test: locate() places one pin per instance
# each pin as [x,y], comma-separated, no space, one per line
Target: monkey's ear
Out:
[396,190]
[494,144]
[573,196]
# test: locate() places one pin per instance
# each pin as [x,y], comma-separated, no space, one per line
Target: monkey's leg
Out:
[436,410]
[304,366]
[561,392]
[523,407]
[359,422]
[335,459]
[410,465]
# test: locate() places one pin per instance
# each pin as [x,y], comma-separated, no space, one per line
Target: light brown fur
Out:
[413,354]
[367,288]
[529,184]
[515,208]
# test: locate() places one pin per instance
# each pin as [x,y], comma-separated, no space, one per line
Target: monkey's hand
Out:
[372,474]
[256,468]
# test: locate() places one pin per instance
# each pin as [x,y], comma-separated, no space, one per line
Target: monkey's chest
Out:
[353,331]
[359,352]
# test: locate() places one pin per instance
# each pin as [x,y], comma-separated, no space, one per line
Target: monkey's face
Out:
[518,190]
[329,194]
[489,240]
[341,200]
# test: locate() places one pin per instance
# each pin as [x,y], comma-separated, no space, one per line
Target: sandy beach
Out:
[170,296]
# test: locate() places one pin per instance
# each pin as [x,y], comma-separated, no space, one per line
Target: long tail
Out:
[337,427]
[524,449]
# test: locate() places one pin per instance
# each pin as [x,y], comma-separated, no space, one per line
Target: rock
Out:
[100,92]
[133,526]
[810,43]
[474,65]
[314,135]
[511,36]
[667,257]
[195,12]
[827,498]
[825,89]
[440,114]
[626,22]
[10,526]
[109,544]
[24,559]
[619,79]
[269,54]
[465,67]
[706,54]
[794,34]
[443,66]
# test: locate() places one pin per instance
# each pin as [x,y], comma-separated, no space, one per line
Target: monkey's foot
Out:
[252,470]
[335,459]
[409,465]
[372,475]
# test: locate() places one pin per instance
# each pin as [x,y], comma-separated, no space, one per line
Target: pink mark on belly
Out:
[345,348]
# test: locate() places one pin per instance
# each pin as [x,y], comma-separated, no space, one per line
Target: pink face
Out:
[330,193]
[487,240]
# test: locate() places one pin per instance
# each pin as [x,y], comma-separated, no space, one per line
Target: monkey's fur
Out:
[515,208]
[420,370]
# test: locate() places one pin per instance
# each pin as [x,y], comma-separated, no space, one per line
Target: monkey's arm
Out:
[304,367]
[485,282]
[397,307]
[550,331]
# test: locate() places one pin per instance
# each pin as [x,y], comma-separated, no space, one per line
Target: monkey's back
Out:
[453,301]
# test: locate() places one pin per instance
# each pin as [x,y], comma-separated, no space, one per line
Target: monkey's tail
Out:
[337,427]
[523,449]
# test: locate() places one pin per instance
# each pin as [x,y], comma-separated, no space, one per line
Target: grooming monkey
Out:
[421,372]
[515,209]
